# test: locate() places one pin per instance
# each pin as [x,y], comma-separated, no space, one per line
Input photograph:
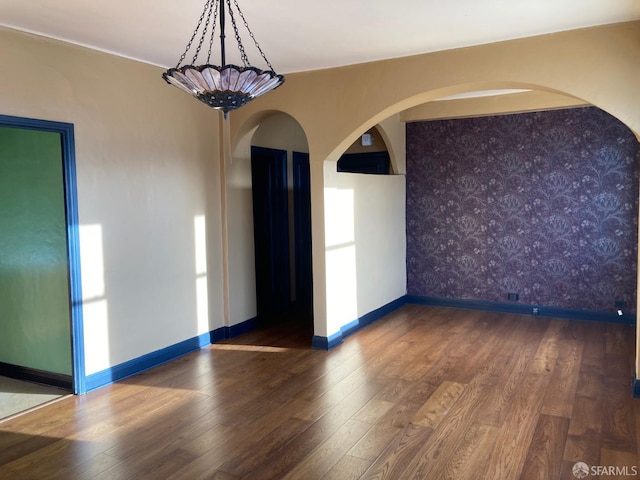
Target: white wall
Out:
[148,193]
[365,246]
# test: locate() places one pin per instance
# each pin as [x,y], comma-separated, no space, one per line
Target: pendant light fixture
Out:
[224,87]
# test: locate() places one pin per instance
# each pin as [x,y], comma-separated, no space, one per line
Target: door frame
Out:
[73,236]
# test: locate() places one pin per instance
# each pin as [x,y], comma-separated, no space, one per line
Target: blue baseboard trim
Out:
[371,317]
[224,333]
[233,331]
[218,334]
[327,343]
[153,359]
[241,328]
[145,362]
[521,309]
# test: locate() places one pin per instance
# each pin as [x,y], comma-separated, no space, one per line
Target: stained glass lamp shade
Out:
[225,87]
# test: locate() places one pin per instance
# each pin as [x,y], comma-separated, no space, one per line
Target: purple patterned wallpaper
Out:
[541,204]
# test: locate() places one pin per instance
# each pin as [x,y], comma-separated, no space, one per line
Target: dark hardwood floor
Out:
[425,393]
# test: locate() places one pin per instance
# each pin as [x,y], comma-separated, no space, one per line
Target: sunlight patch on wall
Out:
[202,297]
[94,302]
[340,222]
[92,261]
[96,335]
[342,291]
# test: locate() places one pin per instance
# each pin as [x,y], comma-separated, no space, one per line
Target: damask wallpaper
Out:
[541,204]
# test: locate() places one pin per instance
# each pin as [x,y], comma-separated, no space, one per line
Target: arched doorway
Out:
[269,192]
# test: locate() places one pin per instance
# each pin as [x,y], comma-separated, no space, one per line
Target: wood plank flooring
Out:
[425,393]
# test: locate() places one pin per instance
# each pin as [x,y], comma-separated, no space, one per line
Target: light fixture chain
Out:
[252,36]
[204,32]
[243,54]
[213,29]
[195,32]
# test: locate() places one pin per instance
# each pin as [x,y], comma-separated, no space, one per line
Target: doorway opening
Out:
[282,238]
[40,271]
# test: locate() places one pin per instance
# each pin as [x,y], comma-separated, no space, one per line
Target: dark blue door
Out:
[271,233]
[302,218]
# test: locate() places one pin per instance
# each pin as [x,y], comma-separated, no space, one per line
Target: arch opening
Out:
[268,191]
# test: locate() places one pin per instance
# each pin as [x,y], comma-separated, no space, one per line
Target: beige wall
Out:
[598,66]
[377,143]
[335,106]
[149,170]
[489,105]
[365,245]
[148,192]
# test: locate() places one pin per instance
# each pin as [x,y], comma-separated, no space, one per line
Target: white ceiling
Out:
[299,35]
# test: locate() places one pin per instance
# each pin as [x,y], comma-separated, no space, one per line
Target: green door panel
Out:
[35,325]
